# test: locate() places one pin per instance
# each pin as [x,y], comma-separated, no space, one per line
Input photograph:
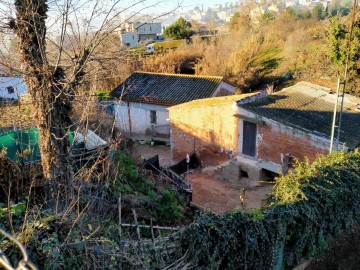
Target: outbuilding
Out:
[141,102]
[268,131]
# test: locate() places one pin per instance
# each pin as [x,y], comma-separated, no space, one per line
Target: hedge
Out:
[305,212]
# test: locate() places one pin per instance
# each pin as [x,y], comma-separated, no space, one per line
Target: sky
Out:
[153,8]
[185,4]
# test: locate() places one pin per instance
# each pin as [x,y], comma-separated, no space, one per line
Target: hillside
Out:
[253,54]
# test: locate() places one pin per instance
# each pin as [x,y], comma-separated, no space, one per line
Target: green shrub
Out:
[167,208]
[103,95]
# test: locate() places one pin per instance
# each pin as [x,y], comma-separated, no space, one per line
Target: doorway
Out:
[249,139]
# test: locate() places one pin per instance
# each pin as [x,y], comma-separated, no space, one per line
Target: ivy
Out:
[305,212]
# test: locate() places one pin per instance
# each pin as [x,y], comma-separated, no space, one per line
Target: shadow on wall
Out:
[208,152]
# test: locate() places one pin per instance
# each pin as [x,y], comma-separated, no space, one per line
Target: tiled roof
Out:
[309,107]
[166,89]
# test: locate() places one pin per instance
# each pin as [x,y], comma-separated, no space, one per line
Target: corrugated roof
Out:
[90,139]
[310,107]
[166,89]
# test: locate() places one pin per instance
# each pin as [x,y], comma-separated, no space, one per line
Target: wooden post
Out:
[119,205]
[137,225]
[152,230]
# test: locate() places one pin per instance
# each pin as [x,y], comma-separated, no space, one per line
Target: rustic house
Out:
[144,98]
[263,129]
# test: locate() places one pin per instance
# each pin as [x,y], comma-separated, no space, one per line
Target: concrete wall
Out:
[209,131]
[148,28]
[16,82]
[130,39]
[139,121]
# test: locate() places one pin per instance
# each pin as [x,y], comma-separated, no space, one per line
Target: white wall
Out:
[130,39]
[148,28]
[140,32]
[224,86]
[16,82]
[140,118]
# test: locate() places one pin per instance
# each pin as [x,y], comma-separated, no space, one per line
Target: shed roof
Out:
[310,107]
[166,89]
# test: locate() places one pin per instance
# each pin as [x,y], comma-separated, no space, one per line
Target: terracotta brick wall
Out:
[273,140]
[214,130]
[184,143]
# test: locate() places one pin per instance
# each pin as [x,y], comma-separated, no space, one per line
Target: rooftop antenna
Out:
[343,83]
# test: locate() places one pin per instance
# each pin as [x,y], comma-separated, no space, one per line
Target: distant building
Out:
[291,3]
[133,33]
[12,87]
[198,27]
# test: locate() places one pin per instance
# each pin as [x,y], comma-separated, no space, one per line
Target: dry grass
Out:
[174,60]
[19,114]
[256,54]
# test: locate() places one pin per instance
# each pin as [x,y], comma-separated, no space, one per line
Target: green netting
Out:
[23,145]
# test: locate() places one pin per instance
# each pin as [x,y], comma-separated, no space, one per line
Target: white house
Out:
[12,87]
[132,33]
[141,102]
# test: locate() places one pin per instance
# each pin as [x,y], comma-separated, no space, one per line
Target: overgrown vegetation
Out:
[306,211]
[86,235]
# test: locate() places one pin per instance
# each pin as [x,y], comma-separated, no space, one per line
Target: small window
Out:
[150,28]
[10,89]
[153,117]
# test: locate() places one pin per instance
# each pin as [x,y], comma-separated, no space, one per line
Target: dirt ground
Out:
[149,151]
[220,196]
[209,192]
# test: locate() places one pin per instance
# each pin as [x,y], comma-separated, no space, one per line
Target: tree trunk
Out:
[52,102]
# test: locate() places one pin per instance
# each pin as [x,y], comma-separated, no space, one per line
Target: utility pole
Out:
[334,117]
[343,88]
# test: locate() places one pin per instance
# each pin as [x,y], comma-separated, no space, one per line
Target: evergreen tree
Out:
[318,12]
[179,30]
[338,38]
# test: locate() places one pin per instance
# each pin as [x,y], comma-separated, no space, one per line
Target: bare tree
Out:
[52,75]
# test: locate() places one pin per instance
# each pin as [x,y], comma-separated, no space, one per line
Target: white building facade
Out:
[12,87]
[133,33]
[142,118]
